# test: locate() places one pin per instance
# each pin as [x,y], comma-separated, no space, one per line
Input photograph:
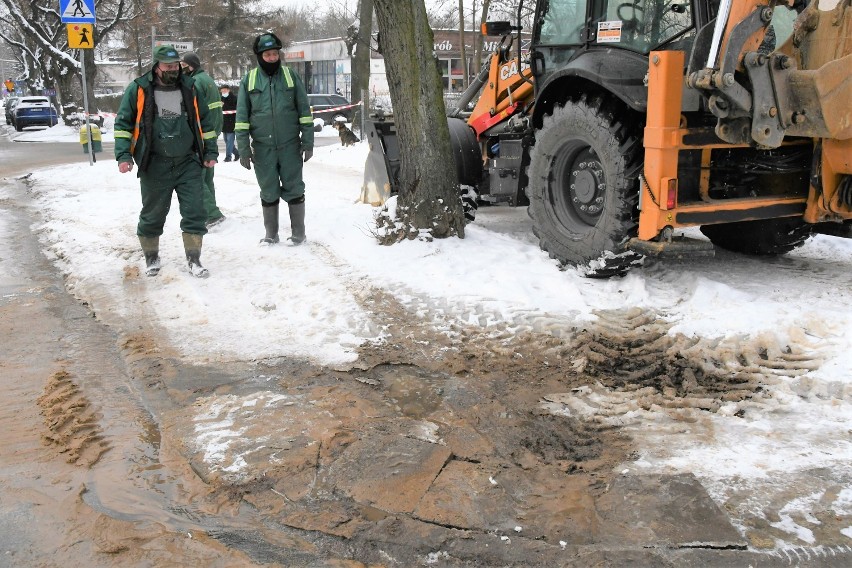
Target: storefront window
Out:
[323,74]
[452,73]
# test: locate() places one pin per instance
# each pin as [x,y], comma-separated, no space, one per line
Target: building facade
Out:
[326,66]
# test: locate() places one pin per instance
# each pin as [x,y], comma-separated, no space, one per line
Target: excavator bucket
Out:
[381,172]
[382,168]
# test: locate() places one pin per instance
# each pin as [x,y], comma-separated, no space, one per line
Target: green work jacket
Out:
[274,111]
[207,88]
[134,123]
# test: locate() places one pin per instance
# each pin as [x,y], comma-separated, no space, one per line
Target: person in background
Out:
[229,112]
[208,91]
[274,113]
[168,130]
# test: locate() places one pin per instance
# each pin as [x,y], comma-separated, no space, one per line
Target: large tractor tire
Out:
[468,161]
[469,203]
[583,186]
[761,238]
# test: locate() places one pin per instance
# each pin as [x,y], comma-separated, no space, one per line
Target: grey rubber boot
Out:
[192,247]
[297,223]
[270,223]
[151,250]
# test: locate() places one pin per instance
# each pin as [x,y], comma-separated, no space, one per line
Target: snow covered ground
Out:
[266,302]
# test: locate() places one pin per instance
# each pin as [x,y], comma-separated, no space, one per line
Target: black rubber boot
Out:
[297,221]
[270,222]
[151,250]
[192,247]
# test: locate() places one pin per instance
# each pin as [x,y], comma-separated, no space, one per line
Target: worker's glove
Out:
[245,161]
[307,154]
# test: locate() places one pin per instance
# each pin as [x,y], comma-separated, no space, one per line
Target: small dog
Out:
[347,137]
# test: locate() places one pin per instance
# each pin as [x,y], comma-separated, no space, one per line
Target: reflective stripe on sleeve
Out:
[287,77]
[122,134]
[215,105]
[207,135]
[306,120]
[242,126]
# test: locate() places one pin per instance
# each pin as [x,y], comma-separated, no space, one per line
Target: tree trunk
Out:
[477,43]
[461,45]
[138,44]
[428,190]
[361,61]
[67,86]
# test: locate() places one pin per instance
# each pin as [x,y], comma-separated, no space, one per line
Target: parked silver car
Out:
[10,108]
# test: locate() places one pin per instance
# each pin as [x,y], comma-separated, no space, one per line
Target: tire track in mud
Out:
[631,362]
[73,424]
[630,350]
[819,555]
[469,312]
[808,341]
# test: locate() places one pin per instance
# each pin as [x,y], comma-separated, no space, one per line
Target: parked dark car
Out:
[34,111]
[321,102]
[10,108]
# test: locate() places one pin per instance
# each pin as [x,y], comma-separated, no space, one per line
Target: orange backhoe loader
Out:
[648,116]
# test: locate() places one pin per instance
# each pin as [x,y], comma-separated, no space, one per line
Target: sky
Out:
[301,302]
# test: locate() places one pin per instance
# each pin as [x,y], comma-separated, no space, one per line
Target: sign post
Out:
[80,17]
[86,107]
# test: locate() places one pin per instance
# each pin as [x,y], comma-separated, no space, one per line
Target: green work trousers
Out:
[279,172]
[210,206]
[166,175]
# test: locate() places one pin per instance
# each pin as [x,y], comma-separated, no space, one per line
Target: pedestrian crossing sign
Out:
[77,11]
[80,36]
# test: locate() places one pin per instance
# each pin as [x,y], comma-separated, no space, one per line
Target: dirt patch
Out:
[398,436]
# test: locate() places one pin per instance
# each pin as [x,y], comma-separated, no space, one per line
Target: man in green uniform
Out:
[273,110]
[167,129]
[206,87]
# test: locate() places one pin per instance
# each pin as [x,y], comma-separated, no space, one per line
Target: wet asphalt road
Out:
[18,158]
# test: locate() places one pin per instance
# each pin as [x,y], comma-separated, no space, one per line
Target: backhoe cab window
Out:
[640,25]
[562,22]
[644,25]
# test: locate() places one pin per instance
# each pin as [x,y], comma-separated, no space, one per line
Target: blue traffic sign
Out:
[77,11]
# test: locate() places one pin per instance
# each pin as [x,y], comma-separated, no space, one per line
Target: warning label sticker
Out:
[609,32]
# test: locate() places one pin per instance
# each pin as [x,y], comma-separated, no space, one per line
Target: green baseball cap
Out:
[166,54]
